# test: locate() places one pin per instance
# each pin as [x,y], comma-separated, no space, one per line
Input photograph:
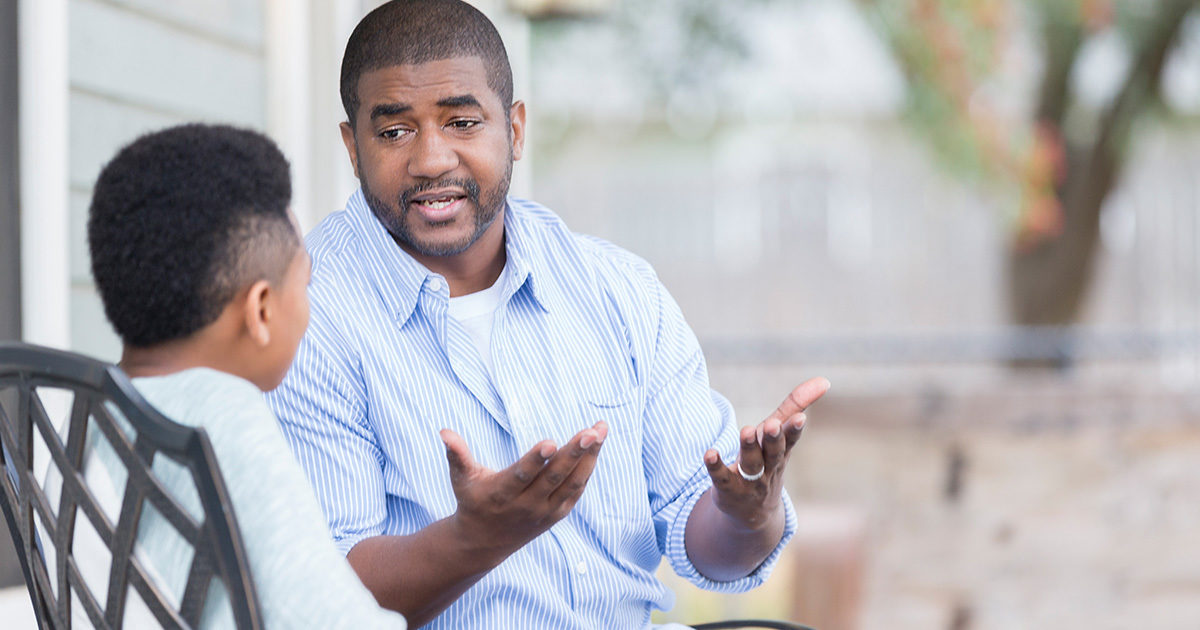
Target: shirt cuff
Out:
[677,551]
[345,543]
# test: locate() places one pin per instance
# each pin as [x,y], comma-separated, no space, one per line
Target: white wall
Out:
[111,70]
[42,128]
[137,66]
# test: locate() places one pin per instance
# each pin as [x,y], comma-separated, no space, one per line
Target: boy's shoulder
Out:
[202,397]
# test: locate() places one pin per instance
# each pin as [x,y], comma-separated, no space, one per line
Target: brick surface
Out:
[1072,509]
[1019,503]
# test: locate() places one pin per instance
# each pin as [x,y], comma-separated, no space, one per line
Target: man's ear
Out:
[257,314]
[351,145]
[517,117]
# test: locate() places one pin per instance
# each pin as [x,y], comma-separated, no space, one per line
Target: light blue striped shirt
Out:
[584,332]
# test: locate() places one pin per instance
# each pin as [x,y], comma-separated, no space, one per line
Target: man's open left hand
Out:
[743,494]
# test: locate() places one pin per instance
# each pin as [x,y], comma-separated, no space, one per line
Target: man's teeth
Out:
[436,204]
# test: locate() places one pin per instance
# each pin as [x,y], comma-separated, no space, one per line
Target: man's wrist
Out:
[475,545]
[765,519]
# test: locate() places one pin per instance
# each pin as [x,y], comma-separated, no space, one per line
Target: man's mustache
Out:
[469,186]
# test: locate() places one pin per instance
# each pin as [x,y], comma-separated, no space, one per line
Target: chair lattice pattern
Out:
[54,408]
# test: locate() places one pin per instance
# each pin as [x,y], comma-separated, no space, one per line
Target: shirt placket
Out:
[524,408]
[464,360]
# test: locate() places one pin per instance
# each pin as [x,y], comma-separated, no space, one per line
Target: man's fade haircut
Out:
[408,32]
[183,219]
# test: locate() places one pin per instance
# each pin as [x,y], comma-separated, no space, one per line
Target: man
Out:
[445,314]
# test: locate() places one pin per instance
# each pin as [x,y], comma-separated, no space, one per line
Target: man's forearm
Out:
[724,550]
[421,574]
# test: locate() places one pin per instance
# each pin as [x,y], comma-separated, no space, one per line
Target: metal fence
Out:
[841,242]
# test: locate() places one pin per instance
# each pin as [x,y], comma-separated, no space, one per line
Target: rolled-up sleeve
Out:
[684,418]
[322,411]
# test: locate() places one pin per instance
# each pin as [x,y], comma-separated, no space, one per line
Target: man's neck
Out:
[473,270]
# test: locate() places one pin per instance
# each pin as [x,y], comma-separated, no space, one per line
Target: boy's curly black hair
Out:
[181,220]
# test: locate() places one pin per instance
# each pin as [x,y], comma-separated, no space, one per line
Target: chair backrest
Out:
[99,404]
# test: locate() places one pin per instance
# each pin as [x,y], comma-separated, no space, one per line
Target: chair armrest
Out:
[750,623]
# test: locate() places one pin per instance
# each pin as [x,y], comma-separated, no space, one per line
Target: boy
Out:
[203,274]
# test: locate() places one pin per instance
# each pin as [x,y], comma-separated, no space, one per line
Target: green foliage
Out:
[949,51]
[669,45]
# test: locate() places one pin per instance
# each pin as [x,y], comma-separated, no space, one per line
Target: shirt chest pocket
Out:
[617,487]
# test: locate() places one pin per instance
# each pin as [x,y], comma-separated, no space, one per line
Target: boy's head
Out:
[189,230]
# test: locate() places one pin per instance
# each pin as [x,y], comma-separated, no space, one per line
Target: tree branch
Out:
[1062,39]
[1143,79]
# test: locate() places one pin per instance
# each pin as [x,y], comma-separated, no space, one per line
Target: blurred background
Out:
[978,218]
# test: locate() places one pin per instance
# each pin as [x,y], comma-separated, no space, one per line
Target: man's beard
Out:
[396,221]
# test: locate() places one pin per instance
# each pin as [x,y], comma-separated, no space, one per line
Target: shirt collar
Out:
[526,260]
[400,278]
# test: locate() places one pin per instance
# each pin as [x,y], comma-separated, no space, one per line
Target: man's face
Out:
[433,149]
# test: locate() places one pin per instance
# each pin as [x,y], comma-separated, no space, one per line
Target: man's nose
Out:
[432,156]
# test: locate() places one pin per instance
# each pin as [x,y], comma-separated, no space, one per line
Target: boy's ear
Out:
[257,313]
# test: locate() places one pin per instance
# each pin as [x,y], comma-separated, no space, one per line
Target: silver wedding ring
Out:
[755,477]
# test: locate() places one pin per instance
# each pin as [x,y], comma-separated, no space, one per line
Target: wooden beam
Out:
[10,225]
[561,8]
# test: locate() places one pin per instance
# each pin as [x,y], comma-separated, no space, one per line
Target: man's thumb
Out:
[457,455]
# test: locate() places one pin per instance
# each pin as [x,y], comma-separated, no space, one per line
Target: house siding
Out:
[141,65]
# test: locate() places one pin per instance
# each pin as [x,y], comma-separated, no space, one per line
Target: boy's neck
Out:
[161,359]
[217,346]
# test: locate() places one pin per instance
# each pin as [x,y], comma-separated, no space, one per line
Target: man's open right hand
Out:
[502,511]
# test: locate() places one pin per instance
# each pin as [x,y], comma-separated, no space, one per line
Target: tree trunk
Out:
[1048,281]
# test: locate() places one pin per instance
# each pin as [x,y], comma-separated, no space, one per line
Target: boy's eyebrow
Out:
[384,110]
[466,100]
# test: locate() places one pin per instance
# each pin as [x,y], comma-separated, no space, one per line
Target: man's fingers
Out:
[522,473]
[800,398]
[558,469]
[750,458]
[458,456]
[720,473]
[792,430]
[569,491]
[773,443]
[589,438]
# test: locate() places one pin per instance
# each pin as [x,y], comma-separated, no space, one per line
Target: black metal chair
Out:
[104,403]
[750,623]
[137,434]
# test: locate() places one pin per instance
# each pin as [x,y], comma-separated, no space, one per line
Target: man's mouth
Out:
[438,204]
[439,207]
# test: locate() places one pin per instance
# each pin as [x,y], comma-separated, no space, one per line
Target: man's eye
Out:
[463,124]
[391,134]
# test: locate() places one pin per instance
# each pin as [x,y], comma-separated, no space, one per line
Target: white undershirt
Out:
[476,311]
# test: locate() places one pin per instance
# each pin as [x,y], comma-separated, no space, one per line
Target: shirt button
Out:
[435,285]
[581,568]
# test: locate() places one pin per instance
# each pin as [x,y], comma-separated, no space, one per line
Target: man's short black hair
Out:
[407,32]
[181,220]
